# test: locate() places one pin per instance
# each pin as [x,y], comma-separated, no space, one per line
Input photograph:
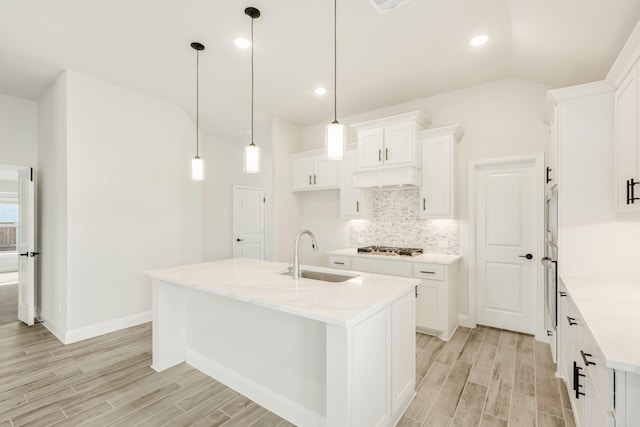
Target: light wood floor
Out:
[487,377]
[499,377]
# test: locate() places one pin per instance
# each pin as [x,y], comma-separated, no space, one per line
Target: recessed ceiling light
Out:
[320,91]
[242,43]
[479,40]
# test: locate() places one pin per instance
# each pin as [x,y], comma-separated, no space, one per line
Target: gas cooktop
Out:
[390,250]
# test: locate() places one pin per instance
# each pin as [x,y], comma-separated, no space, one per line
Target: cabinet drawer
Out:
[429,271]
[342,262]
[574,322]
[380,266]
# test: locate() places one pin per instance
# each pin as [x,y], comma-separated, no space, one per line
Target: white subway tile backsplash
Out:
[396,222]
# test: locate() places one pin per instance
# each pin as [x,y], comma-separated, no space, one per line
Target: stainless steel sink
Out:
[319,275]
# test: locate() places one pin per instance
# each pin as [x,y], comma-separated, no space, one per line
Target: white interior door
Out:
[506,246]
[248,222]
[26,246]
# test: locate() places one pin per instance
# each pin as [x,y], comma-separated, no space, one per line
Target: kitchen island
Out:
[314,352]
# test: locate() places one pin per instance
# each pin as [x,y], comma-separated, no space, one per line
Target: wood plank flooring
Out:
[486,377]
[482,376]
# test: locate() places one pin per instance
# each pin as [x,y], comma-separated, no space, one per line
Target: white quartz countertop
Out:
[611,312]
[260,282]
[432,258]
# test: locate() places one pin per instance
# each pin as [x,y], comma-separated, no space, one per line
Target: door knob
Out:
[25,254]
[238,240]
[527,256]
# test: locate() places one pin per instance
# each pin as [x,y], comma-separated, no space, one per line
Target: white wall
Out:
[224,169]
[502,118]
[287,212]
[18,131]
[52,207]
[116,200]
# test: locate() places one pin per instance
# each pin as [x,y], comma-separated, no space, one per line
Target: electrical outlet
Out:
[443,243]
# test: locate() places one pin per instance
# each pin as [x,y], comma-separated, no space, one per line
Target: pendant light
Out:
[197,164]
[336,133]
[252,151]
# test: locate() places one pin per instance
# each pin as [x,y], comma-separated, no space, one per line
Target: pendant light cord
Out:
[197,104]
[335,61]
[252,143]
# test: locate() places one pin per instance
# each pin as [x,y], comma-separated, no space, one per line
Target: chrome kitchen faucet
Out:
[296,256]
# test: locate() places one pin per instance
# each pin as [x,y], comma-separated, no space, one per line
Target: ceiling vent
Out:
[384,6]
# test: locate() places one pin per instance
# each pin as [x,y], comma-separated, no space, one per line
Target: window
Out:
[8,227]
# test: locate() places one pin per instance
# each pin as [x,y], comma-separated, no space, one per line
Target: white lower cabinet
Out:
[436,297]
[599,395]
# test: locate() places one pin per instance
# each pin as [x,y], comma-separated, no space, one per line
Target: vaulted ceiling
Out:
[415,50]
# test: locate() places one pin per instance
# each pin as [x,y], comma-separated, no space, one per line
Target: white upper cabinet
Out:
[370,147]
[355,203]
[437,199]
[627,176]
[311,170]
[390,142]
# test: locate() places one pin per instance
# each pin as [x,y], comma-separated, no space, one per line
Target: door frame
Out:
[474,165]
[267,233]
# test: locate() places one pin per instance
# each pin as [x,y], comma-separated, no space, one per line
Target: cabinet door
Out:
[429,312]
[436,195]
[350,197]
[370,147]
[325,173]
[301,174]
[399,144]
[626,99]
[597,414]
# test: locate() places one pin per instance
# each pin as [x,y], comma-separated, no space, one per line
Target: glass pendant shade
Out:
[335,137]
[197,169]
[252,159]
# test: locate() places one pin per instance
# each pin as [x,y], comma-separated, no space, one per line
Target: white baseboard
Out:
[98,329]
[464,320]
[280,405]
[53,329]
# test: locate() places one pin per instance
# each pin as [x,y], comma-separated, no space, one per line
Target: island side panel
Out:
[359,372]
[371,367]
[403,373]
[274,358]
[169,325]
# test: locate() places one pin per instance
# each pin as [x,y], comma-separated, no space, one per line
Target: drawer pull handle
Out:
[338,263]
[562,294]
[587,362]
[572,321]
[427,272]
[576,380]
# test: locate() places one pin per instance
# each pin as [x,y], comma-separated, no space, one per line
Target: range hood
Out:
[389,176]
